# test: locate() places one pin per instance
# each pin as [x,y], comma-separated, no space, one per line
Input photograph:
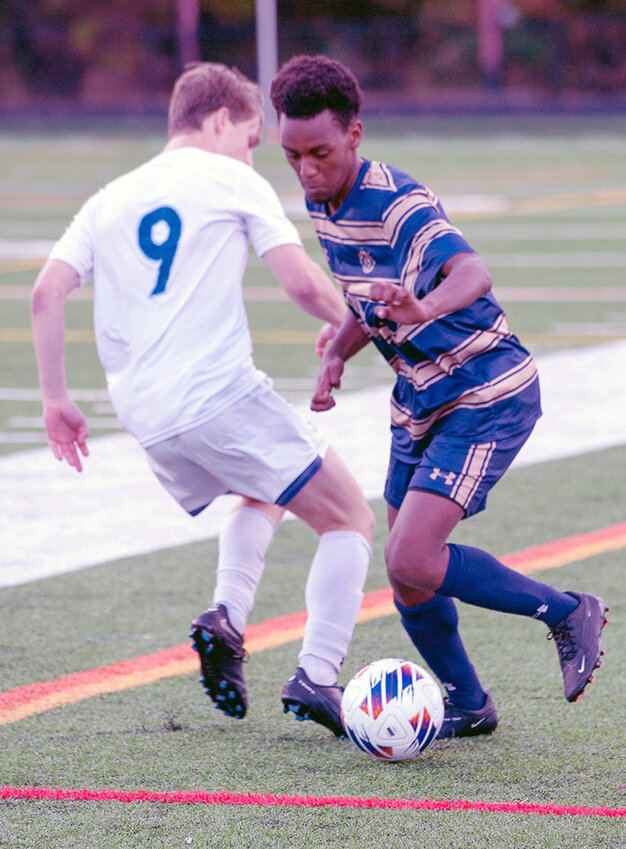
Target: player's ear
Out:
[221,117]
[355,131]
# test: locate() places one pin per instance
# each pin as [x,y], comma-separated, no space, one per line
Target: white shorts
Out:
[258,447]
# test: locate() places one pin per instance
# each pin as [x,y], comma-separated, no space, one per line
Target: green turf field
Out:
[547,208]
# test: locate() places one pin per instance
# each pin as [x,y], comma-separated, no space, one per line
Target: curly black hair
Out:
[307,85]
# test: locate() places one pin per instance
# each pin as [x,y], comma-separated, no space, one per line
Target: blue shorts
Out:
[455,468]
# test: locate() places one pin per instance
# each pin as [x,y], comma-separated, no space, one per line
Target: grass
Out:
[166,735]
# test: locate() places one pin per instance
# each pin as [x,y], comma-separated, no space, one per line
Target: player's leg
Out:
[261,448]
[244,539]
[333,505]
[418,556]
[218,643]
[431,621]
[217,633]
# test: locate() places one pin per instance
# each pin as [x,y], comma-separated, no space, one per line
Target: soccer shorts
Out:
[455,468]
[258,447]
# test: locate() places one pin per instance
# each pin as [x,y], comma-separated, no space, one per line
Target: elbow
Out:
[483,277]
[52,286]
[487,282]
[43,299]
[301,289]
[38,300]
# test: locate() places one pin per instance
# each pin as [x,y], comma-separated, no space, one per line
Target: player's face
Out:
[241,138]
[323,154]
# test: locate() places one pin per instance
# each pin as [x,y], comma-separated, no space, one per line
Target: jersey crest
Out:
[367,261]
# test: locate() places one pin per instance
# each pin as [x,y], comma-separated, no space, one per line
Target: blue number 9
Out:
[162,251]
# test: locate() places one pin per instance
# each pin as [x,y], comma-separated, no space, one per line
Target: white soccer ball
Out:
[392,709]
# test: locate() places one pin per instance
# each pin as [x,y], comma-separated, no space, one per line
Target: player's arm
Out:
[465,279]
[349,340]
[64,422]
[306,284]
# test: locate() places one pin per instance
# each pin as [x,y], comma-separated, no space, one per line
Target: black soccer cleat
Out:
[461,722]
[222,655]
[577,639]
[313,701]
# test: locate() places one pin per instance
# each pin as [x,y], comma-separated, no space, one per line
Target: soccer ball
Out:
[392,709]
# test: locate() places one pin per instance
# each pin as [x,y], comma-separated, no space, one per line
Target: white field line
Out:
[571,259]
[527,231]
[54,520]
[507,259]
[83,395]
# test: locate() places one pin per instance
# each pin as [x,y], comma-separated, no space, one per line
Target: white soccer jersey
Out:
[167,246]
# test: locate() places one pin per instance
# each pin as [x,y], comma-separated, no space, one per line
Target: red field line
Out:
[199,797]
[36,698]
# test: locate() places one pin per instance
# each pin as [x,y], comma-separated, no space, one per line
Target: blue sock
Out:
[476,577]
[433,630]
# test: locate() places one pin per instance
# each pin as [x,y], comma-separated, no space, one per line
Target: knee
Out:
[361,520]
[409,565]
[354,516]
[402,569]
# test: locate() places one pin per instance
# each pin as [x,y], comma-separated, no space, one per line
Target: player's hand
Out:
[398,304]
[327,334]
[67,429]
[329,378]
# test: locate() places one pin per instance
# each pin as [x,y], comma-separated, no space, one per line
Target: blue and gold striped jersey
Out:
[465,368]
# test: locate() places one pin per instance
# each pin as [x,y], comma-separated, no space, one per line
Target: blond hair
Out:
[205,87]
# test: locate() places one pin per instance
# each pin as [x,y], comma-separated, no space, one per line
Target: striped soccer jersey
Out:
[465,369]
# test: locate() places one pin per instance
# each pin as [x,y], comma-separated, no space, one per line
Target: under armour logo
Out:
[449,477]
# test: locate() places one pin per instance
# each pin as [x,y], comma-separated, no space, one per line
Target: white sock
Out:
[243,542]
[334,592]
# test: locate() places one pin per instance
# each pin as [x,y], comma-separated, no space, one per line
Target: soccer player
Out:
[466,395]
[167,246]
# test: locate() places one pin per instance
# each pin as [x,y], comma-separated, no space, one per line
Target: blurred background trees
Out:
[124,54]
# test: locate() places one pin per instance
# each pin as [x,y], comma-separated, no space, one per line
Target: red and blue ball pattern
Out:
[392,709]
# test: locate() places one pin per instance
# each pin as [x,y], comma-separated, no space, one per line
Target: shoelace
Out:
[565,643]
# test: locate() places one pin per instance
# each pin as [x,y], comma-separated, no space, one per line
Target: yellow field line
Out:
[259,337]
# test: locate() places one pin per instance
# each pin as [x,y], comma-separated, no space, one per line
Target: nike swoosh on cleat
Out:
[582,665]
[476,724]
